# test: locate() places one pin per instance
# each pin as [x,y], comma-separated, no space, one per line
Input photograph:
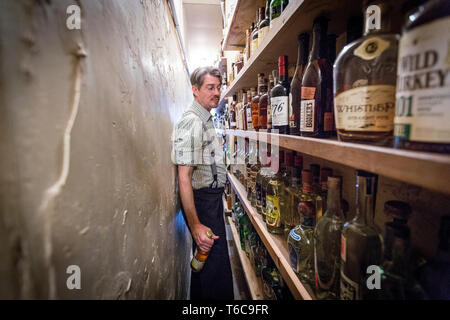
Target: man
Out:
[201,177]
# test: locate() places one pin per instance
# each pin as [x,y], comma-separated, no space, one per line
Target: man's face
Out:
[208,95]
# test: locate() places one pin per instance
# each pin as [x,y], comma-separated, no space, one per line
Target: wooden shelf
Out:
[254,283]
[281,39]
[276,245]
[425,169]
[243,15]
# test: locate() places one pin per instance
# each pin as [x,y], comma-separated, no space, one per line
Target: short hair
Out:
[198,75]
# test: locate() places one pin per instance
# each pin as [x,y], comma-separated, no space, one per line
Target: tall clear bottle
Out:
[327,244]
[361,241]
[365,80]
[273,194]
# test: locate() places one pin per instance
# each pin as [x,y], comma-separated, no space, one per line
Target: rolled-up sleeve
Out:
[187,141]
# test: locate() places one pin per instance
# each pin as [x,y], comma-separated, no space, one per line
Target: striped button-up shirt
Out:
[192,146]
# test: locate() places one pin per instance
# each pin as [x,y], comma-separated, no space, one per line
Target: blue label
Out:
[294,236]
[292,257]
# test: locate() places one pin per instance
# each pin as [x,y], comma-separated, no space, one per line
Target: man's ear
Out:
[195,91]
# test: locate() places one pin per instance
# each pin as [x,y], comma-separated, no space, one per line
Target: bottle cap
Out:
[397,209]
[209,234]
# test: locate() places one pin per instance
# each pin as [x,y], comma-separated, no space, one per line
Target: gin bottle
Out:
[361,242]
[365,79]
[327,244]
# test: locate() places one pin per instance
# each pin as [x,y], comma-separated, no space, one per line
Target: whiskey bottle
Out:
[296,84]
[316,114]
[275,11]
[361,242]
[280,98]
[422,113]
[255,102]
[200,256]
[254,36]
[327,244]
[272,81]
[292,195]
[233,113]
[399,212]
[263,102]
[264,25]
[248,108]
[364,81]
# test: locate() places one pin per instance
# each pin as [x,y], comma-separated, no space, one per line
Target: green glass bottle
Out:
[361,241]
[275,11]
[327,244]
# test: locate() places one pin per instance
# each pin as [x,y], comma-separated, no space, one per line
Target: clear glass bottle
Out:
[361,241]
[327,244]
[365,80]
[292,195]
[323,193]
[273,193]
[422,113]
[254,172]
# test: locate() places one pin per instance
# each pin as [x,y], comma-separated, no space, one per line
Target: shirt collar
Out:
[204,114]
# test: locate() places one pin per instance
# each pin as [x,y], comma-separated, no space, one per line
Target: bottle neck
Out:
[377,19]
[334,202]
[365,200]
[302,54]
[283,73]
[319,37]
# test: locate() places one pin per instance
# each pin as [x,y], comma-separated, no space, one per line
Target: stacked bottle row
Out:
[254,36]
[274,287]
[339,258]
[387,90]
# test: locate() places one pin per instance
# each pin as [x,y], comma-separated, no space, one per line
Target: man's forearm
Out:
[187,200]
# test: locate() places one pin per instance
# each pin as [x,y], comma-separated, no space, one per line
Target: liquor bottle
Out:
[233,113]
[435,274]
[323,193]
[254,172]
[244,227]
[361,242]
[296,84]
[280,98]
[364,82]
[260,193]
[400,212]
[268,175]
[316,117]
[264,25]
[327,244]
[263,102]
[255,102]
[292,193]
[269,105]
[249,164]
[254,39]
[273,219]
[301,238]
[275,11]
[315,170]
[422,113]
[200,256]
[248,108]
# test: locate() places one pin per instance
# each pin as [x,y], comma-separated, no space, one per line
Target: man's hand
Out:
[201,239]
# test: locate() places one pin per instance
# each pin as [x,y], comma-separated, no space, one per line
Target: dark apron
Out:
[214,281]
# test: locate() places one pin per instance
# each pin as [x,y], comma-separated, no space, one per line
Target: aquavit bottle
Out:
[361,241]
[364,81]
[327,244]
[296,84]
[422,111]
[316,114]
[280,98]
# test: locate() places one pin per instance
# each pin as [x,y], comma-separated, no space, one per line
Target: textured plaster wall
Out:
[85,173]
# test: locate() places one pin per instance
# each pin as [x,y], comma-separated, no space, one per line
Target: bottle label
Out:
[371,48]
[273,211]
[291,113]
[262,34]
[249,118]
[280,110]
[307,115]
[233,124]
[368,108]
[349,288]
[254,46]
[422,111]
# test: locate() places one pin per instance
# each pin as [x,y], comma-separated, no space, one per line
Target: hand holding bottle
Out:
[200,235]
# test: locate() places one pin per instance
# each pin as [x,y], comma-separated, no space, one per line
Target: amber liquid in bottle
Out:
[255,102]
[316,116]
[263,101]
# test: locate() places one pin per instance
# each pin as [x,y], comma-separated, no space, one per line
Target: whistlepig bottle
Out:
[422,110]
[200,256]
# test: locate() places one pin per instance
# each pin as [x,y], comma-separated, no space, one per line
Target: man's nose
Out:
[217,91]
